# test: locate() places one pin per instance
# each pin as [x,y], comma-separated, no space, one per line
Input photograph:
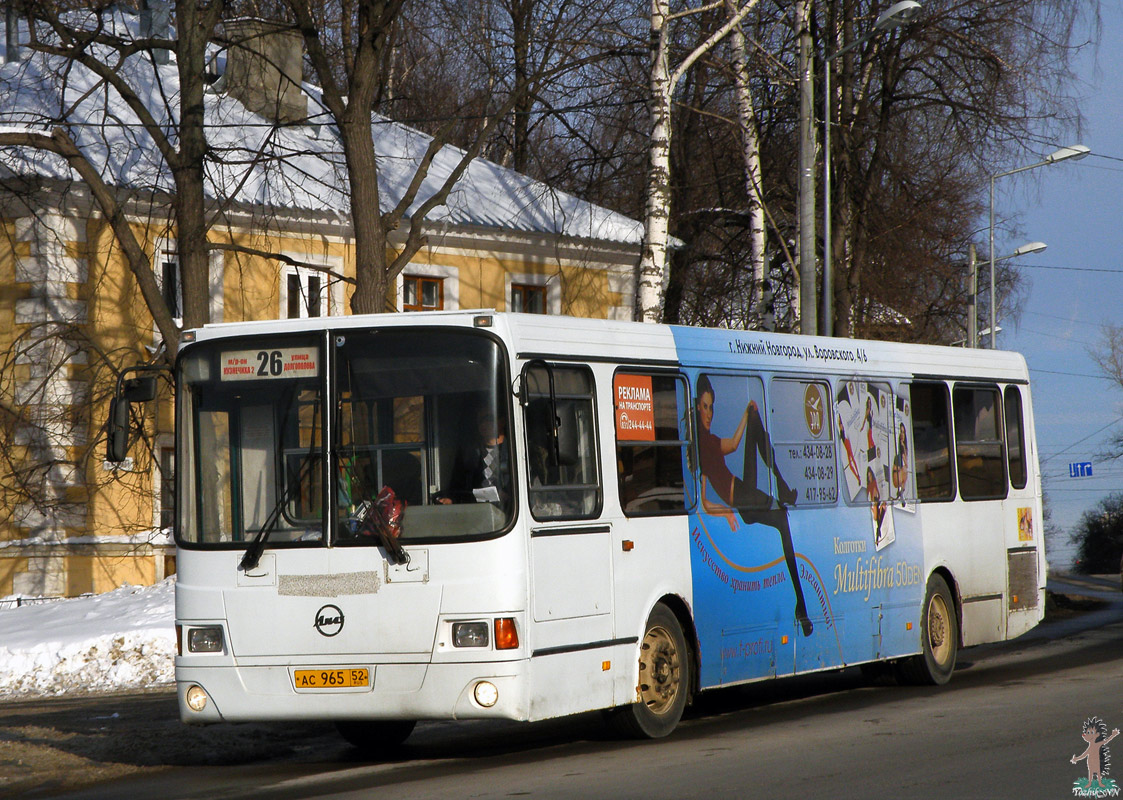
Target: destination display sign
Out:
[275,364]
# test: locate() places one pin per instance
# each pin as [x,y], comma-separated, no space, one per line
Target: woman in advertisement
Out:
[741,496]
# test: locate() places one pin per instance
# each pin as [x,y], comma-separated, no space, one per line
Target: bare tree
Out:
[665,80]
[119,64]
[1107,352]
[750,137]
[922,115]
[346,45]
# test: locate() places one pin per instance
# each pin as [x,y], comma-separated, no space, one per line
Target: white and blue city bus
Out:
[664,510]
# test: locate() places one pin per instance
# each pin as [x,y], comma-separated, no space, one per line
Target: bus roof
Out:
[543,336]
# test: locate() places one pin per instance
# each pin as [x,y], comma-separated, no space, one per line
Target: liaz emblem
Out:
[329,620]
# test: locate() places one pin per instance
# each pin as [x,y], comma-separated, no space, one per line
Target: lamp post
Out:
[1076,151]
[972,266]
[807,318]
[900,13]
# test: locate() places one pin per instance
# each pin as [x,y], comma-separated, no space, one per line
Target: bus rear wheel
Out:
[374,737]
[939,638]
[664,680]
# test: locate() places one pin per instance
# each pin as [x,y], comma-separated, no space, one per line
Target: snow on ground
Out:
[119,640]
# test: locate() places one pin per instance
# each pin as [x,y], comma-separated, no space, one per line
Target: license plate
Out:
[333,678]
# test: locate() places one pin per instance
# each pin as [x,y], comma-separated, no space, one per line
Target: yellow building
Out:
[71,314]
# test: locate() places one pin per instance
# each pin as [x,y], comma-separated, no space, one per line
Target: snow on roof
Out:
[259,164]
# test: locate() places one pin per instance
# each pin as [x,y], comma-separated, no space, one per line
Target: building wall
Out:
[67,295]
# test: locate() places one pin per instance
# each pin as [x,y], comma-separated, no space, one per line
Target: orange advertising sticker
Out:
[635,408]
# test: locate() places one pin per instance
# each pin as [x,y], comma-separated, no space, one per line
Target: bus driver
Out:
[482,471]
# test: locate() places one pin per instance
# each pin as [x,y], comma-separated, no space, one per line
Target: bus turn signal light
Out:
[506,636]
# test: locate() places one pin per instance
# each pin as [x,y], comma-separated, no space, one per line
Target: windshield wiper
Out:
[253,553]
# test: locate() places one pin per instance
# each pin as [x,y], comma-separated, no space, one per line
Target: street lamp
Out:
[1076,151]
[900,13]
[972,265]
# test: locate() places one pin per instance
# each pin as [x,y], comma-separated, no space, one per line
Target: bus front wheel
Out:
[939,638]
[664,679]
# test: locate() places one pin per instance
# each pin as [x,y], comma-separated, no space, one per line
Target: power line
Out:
[1069,374]
[1050,316]
[1079,441]
[1053,336]
[1070,269]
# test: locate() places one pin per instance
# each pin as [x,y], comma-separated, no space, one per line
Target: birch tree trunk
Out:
[652,268]
[653,259]
[750,149]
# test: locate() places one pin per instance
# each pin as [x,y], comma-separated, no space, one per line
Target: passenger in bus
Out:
[742,496]
[482,469]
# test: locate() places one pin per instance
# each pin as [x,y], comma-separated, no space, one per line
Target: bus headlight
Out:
[204,640]
[196,698]
[486,694]
[469,634]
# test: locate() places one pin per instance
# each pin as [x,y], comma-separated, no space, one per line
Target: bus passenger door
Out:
[649,427]
[1025,561]
[980,566]
[570,561]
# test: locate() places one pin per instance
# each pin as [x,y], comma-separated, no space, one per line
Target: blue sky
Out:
[1074,287]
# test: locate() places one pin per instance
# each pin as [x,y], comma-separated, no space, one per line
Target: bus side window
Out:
[864,412]
[562,461]
[931,436]
[979,453]
[1015,437]
[802,438]
[652,417]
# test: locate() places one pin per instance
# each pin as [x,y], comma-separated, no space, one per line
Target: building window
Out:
[420,293]
[528,299]
[167,487]
[167,268]
[11,34]
[169,272]
[305,295]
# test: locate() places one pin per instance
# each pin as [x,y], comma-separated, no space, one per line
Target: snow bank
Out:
[119,640]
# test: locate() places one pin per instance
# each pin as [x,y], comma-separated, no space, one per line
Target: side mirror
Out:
[140,390]
[129,391]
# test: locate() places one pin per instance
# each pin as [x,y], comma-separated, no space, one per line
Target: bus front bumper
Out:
[467,690]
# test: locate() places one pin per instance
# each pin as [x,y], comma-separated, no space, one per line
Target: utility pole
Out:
[808,307]
[972,294]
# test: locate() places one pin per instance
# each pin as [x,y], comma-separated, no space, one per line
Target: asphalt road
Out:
[1006,726]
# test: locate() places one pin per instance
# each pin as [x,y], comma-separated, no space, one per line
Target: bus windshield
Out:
[422,412]
[425,413]
[251,441]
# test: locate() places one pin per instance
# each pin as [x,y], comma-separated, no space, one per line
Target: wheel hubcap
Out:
[658,670]
[939,638]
